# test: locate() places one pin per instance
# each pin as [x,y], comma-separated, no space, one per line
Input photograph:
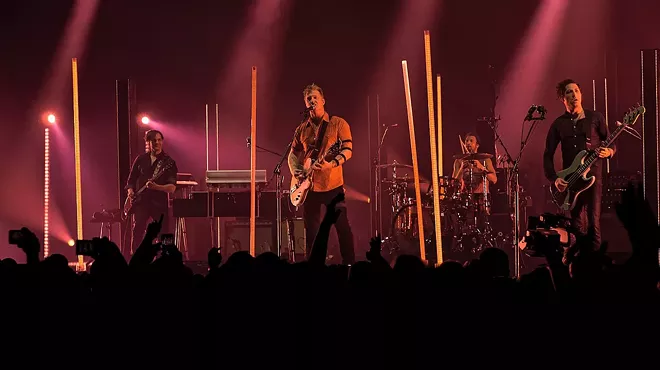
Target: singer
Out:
[321,130]
[578,129]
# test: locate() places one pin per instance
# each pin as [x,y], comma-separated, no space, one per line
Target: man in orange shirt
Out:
[328,176]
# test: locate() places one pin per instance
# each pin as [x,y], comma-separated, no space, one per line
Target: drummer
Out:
[472,166]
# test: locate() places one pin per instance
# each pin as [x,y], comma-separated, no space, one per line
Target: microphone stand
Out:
[277,174]
[515,177]
[278,195]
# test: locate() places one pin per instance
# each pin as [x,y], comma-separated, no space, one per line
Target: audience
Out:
[256,312]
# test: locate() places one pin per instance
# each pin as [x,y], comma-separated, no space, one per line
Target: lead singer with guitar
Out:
[152,177]
[326,168]
[578,129]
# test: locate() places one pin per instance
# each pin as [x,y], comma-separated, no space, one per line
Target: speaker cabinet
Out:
[293,234]
[237,237]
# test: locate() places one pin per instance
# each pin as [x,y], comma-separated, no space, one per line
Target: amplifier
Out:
[615,184]
[225,204]
[236,237]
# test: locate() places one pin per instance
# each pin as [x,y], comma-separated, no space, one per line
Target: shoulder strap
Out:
[319,136]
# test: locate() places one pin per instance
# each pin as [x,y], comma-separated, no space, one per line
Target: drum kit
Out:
[465,209]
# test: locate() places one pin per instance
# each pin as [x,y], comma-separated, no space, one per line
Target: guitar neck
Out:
[605,144]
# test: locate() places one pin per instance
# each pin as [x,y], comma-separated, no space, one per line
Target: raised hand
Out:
[153,229]
[375,246]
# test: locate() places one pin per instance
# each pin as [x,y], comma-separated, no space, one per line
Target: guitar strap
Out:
[318,141]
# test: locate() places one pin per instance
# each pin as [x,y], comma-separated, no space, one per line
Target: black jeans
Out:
[143,214]
[586,214]
[312,216]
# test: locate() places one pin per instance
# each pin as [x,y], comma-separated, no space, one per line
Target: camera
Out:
[547,234]
[15,237]
[167,239]
[85,248]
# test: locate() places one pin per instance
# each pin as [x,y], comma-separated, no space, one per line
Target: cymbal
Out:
[394,164]
[473,156]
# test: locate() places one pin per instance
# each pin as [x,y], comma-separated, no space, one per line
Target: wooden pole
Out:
[413,149]
[253,162]
[432,141]
[76,141]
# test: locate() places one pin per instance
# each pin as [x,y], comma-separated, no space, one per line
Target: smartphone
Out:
[167,239]
[15,237]
[85,248]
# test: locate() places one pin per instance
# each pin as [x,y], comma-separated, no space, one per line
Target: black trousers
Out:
[586,214]
[144,213]
[314,211]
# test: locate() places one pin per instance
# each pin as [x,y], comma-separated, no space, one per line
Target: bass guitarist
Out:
[152,202]
[578,129]
[313,138]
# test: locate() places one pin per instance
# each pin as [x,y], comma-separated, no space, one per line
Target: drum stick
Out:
[413,149]
[253,162]
[435,150]
[76,142]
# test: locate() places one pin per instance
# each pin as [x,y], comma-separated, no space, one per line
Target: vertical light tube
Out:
[76,141]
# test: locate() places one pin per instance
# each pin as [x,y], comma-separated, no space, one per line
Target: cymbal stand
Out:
[378,187]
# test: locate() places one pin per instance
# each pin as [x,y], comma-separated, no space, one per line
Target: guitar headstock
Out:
[334,150]
[633,114]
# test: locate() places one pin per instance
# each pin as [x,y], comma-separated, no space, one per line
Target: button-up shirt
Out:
[575,133]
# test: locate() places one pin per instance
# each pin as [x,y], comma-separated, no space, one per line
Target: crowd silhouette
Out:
[256,312]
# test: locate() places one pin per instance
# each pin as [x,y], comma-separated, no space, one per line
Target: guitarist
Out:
[578,129]
[153,201]
[328,176]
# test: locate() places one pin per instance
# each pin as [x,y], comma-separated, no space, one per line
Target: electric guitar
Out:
[302,184]
[576,174]
[131,201]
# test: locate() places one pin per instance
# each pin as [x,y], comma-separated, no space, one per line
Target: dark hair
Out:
[473,135]
[561,87]
[151,135]
[309,88]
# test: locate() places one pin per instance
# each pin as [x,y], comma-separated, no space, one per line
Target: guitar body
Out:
[131,202]
[566,199]
[300,186]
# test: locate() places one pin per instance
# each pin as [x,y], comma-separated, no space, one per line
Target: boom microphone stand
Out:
[515,175]
[277,175]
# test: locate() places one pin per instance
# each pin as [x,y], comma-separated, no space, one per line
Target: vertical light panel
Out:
[217,167]
[253,162]
[432,142]
[46,241]
[607,121]
[76,141]
[207,136]
[593,92]
[413,149]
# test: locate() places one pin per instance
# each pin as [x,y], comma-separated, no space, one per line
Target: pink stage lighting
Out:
[145,120]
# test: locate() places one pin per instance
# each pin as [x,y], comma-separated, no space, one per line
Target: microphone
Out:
[530,112]
[309,109]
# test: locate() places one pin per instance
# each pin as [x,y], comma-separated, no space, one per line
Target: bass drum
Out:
[404,235]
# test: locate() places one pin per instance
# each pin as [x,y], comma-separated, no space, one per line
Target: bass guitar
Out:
[302,184]
[131,201]
[576,174]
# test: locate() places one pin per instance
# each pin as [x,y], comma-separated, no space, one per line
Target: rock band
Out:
[322,144]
